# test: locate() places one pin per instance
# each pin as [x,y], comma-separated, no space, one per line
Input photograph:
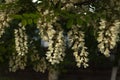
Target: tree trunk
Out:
[53,74]
[114,73]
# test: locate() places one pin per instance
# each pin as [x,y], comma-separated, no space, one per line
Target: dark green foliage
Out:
[6,46]
[27,13]
[69,23]
[27,18]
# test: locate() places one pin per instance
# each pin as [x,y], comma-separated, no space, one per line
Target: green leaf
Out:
[87,18]
[69,23]
[32,15]
[26,16]
[30,21]
[19,17]
[79,21]
[35,21]
[24,22]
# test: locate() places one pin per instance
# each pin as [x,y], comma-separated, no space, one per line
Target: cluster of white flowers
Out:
[4,19]
[40,63]
[67,5]
[17,62]
[76,37]
[21,40]
[41,66]
[56,48]
[108,36]
[55,39]
[45,24]
[19,58]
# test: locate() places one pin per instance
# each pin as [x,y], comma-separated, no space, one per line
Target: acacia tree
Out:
[62,25]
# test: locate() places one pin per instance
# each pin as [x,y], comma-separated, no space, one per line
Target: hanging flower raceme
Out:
[21,41]
[40,63]
[76,37]
[19,60]
[4,19]
[108,36]
[56,48]
[45,24]
[55,39]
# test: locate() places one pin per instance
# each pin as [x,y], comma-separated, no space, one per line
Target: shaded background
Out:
[67,73]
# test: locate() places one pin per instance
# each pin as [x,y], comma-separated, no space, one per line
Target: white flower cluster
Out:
[76,38]
[21,41]
[56,48]
[108,36]
[40,63]
[45,26]
[4,19]
[67,5]
[19,60]
[41,66]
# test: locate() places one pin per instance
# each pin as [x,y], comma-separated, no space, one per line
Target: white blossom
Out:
[56,50]
[18,61]
[45,27]
[21,41]
[80,51]
[108,36]
[40,63]
[4,19]
[55,39]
